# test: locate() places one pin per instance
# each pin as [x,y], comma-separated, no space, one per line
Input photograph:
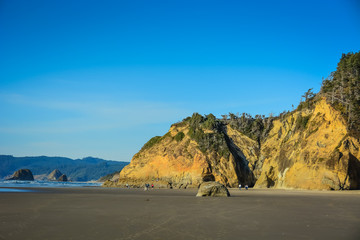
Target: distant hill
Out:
[85,169]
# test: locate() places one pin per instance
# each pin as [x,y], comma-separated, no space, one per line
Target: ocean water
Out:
[15,190]
[48,184]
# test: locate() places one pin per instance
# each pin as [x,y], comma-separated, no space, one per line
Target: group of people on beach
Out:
[147,186]
[246,186]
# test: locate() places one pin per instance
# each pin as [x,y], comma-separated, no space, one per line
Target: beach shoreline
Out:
[116,213]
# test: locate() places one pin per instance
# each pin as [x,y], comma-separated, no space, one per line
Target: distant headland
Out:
[85,169]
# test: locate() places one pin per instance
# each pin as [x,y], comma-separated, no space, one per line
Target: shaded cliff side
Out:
[315,146]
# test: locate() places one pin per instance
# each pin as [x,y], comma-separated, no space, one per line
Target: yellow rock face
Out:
[309,149]
[169,162]
[178,164]
[319,156]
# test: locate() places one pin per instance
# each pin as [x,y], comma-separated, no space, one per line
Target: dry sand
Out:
[106,213]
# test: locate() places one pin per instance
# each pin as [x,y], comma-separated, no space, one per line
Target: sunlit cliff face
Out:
[308,149]
[320,156]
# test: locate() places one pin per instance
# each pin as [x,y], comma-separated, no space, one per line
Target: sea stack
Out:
[22,174]
[54,175]
[62,178]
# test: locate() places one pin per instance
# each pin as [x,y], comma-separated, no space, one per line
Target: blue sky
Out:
[100,78]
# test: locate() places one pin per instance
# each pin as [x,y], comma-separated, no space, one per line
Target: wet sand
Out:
[107,213]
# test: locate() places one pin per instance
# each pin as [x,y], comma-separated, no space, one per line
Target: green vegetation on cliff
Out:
[302,122]
[151,142]
[179,136]
[209,141]
[256,128]
[342,90]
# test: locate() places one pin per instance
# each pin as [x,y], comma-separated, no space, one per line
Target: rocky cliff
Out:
[308,149]
[22,174]
[193,150]
[62,178]
[315,146]
[54,175]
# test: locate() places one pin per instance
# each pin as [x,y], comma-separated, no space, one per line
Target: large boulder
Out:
[22,174]
[212,189]
[54,175]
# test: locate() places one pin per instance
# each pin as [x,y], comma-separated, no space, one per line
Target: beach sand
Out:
[111,213]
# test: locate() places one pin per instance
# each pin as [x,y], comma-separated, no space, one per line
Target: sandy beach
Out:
[110,213]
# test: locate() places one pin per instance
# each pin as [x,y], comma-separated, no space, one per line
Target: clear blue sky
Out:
[100,78]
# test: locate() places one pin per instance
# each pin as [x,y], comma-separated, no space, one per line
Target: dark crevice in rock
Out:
[243,172]
[354,172]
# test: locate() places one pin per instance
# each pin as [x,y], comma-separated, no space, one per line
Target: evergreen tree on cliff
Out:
[342,90]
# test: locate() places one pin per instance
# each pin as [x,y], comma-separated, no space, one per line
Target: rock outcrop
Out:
[22,174]
[54,175]
[305,149]
[316,146]
[62,178]
[191,151]
[212,189]
[310,149]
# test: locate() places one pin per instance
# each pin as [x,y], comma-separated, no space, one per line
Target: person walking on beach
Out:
[246,187]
